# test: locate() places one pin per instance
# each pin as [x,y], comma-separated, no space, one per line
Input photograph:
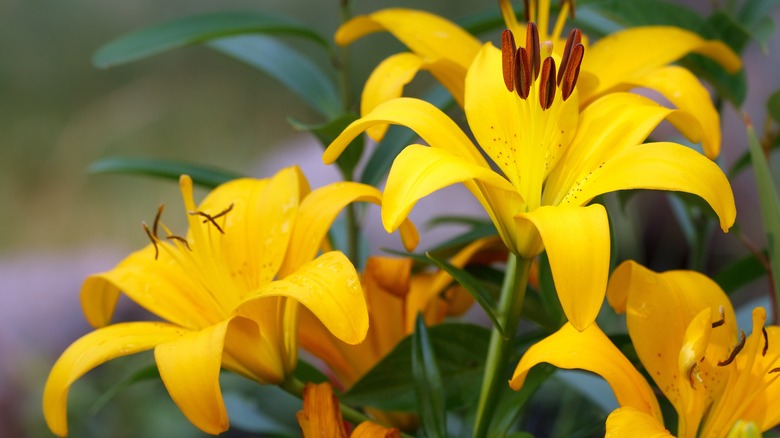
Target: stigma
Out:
[522,67]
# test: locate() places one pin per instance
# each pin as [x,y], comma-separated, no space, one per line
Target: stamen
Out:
[693,374]
[766,341]
[208,218]
[157,219]
[736,351]
[222,213]
[179,239]
[722,319]
[533,47]
[774,370]
[522,73]
[547,84]
[508,50]
[570,63]
[153,238]
[568,5]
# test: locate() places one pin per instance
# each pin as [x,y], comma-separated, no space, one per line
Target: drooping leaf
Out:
[769,204]
[193,30]
[398,138]
[460,352]
[328,132]
[473,286]
[286,65]
[148,372]
[739,273]
[428,385]
[205,176]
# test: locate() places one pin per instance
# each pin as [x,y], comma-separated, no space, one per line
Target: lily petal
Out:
[189,367]
[321,416]
[607,127]
[577,243]
[760,409]
[330,288]
[426,34]
[368,429]
[661,166]
[685,92]
[628,421]
[386,82]
[419,171]
[94,349]
[592,351]
[429,122]
[649,47]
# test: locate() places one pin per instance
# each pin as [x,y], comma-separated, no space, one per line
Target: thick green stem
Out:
[510,306]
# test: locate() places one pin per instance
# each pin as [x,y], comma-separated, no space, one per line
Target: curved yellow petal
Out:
[672,301]
[189,367]
[386,82]
[628,421]
[426,120]
[684,91]
[661,166]
[419,171]
[577,243]
[592,351]
[330,288]
[607,127]
[368,429]
[94,349]
[426,34]
[617,57]
[317,213]
[160,286]
[761,409]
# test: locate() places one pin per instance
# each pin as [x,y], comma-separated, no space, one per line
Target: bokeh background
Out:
[60,222]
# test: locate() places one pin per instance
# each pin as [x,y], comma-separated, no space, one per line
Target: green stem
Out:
[510,306]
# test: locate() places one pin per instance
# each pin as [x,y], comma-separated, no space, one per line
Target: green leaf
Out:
[740,273]
[647,12]
[288,66]
[473,286]
[193,30]
[773,106]
[511,403]
[460,351]
[553,317]
[398,138]
[148,372]
[328,132]
[205,176]
[770,209]
[429,388]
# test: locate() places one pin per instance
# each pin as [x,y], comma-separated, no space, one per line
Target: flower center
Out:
[523,67]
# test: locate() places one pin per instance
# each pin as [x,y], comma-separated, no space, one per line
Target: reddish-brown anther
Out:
[532,45]
[572,71]
[508,51]
[547,84]
[523,77]
[574,38]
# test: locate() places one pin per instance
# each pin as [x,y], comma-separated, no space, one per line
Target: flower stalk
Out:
[509,309]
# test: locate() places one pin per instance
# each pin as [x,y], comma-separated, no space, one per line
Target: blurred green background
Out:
[60,223]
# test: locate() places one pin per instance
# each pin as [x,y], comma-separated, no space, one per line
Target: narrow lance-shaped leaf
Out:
[205,176]
[770,209]
[429,388]
[473,286]
[193,30]
[286,65]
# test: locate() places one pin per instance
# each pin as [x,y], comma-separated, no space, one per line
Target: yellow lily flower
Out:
[321,417]
[227,294]
[394,297]
[683,328]
[552,161]
[633,58]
